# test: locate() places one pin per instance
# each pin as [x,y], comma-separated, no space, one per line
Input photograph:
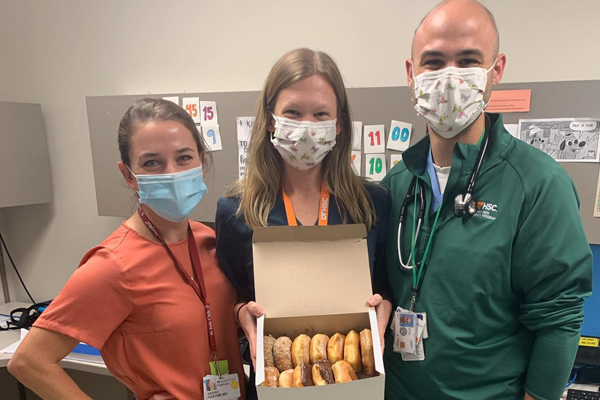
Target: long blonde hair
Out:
[259,187]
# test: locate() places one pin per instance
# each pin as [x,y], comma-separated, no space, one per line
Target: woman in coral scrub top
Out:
[139,297]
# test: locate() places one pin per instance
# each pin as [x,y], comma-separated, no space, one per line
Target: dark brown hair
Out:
[149,110]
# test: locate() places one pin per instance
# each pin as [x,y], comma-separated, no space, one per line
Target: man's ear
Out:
[128,176]
[499,68]
[409,72]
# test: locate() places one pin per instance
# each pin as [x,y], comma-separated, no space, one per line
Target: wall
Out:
[56,53]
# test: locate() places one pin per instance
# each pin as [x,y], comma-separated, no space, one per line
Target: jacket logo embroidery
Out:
[486,210]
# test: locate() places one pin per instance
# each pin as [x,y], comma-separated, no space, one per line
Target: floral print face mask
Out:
[450,99]
[303,144]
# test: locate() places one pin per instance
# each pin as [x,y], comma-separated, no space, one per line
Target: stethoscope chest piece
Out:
[464,204]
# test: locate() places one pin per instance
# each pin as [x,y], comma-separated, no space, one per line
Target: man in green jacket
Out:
[502,284]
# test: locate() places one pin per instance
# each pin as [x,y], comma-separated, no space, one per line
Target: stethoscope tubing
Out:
[422,205]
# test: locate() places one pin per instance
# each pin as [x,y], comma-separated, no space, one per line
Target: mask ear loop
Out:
[487,72]
[412,73]
[137,191]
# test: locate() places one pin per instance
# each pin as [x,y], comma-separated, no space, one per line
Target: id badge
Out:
[225,387]
[405,331]
[419,354]
[423,316]
[420,328]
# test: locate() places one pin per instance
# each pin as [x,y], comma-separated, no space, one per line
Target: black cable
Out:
[15,268]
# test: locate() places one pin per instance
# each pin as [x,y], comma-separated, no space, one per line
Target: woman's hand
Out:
[383,309]
[247,320]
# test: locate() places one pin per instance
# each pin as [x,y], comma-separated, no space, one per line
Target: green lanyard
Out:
[417,276]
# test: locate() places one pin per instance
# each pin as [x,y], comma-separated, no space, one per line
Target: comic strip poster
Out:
[597,202]
[564,139]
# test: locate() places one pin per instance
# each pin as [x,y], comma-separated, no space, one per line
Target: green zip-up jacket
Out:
[503,290]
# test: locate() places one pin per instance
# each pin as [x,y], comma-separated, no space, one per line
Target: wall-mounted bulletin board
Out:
[372,107]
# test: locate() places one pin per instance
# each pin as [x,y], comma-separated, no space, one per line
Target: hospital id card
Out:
[226,387]
[419,354]
[405,331]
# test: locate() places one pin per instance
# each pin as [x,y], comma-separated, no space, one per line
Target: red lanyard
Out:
[200,288]
[323,207]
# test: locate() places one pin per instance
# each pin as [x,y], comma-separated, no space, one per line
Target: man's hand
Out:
[384,310]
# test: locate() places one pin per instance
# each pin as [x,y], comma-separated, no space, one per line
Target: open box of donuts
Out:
[318,338]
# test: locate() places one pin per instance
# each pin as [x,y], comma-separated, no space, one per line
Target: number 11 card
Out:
[374,139]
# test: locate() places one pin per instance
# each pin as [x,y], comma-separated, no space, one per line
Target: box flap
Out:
[311,270]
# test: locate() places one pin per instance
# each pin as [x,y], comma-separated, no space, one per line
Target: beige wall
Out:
[57,52]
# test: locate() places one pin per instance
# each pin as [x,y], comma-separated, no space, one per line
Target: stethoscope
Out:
[464,204]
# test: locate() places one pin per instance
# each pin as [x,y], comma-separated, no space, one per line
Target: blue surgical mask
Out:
[172,196]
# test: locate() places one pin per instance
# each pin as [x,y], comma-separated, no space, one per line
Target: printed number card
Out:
[395,159]
[375,167]
[374,139]
[357,162]
[399,136]
[192,106]
[356,135]
[212,136]
[173,99]
[208,113]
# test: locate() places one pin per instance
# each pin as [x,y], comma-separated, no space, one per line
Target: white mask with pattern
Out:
[303,144]
[451,98]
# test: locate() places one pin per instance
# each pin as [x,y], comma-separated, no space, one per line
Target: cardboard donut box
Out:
[315,279]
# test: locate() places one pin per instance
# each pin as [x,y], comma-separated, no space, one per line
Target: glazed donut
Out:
[303,376]
[322,373]
[366,351]
[343,372]
[271,377]
[285,378]
[335,348]
[300,350]
[352,351]
[282,353]
[318,348]
[268,343]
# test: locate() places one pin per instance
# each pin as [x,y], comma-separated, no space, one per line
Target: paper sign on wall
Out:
[357,162]
[395,159]
[192,106]
[505,101]
[208,113]
[374,139]
[244,130]
[375,169]
[399,136]
[356,135]
[174,99]
[212,137]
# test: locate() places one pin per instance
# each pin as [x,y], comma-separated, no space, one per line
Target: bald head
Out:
[458,34]
[450,15]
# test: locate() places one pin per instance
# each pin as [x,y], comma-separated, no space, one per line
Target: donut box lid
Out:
[311,270]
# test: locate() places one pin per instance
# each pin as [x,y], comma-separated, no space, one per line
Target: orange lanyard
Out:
[323,207]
